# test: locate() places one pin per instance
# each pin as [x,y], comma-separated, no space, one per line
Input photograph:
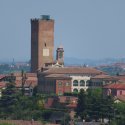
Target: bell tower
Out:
[42,42]
[60,54]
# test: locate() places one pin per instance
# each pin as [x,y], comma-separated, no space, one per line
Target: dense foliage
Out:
[14,105]
[6,124]
[93,106]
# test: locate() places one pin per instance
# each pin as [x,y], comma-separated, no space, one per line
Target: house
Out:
[60,80]
[115,89]
[28,81]
[2,86]
[103,79]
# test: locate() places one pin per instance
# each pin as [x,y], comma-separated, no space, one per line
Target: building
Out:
[53,76]
[103,79]
[42,42]
[60,80]
[60,55]
[116,89]
[27,80]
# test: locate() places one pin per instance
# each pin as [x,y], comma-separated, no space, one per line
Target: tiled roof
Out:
[27,83]
[121,78]
[121,97]
[73,70]
[27,74]
[104,76]
[2,76]
[115,86]
[61,76]
[72,105]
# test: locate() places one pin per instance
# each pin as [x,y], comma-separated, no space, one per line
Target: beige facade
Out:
[80,82]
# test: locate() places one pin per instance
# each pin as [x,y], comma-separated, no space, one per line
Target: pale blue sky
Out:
[91,29]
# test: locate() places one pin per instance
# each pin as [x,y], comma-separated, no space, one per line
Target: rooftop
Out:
[115,86]
[60,76]
[73,70]
[104,76]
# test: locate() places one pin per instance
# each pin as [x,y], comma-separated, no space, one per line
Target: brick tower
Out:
[42,42]
[60,54]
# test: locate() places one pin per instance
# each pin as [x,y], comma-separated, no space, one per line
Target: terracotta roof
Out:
[71,99]
[121,78]
[72,105]
[73,70]
[2,76]
[104,76]
[27,74]
[61,76]
[28,83]
[120,97]
[115,86]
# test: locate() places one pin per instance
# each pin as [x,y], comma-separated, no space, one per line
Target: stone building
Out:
[60,80]
[53,76]
[42,42]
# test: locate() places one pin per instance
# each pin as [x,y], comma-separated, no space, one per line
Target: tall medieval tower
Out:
[42,42]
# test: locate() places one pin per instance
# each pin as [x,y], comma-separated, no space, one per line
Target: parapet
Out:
[42,17]
[45,17]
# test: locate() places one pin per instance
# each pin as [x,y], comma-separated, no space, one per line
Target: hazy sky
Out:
[87,28]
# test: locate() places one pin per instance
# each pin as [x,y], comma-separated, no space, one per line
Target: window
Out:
[82,83]
[60,93]
[75,90]
[75,83]
[60,84]
[120,92]
[87,83]
[45,44]
[67,84]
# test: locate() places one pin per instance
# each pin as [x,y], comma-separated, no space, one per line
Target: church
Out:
[53,76]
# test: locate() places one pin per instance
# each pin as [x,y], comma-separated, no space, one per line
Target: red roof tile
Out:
[104,76]
[73,70]
[2,76]
[115,86]
[121,97]
[61,76]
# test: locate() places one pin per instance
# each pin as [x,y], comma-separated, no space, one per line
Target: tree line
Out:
[93,106]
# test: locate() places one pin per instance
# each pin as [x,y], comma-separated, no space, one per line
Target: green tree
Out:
[81,109]
[8,99]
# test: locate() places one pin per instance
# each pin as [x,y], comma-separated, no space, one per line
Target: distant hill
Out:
[93,62]
[109,65]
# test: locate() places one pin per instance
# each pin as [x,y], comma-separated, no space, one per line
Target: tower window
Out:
[45,44]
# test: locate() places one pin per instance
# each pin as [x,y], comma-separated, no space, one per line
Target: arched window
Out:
[75,90]
[87,83]
[82,83]
[75,83]
[82,89]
